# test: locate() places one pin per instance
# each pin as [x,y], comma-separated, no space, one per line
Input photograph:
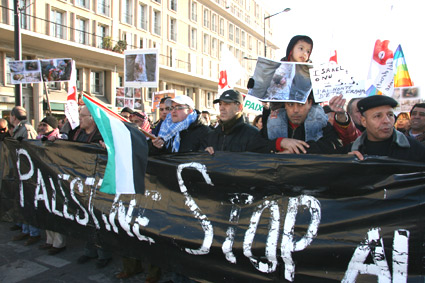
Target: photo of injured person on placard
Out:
[281,81]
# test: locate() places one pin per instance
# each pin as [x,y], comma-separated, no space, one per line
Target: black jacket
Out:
[240,137]
[194,138]
[399,147]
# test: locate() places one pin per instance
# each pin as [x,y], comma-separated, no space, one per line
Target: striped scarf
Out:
[169,130]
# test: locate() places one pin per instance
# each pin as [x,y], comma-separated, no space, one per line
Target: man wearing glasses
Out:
[183,130]
[87,131]
[163,111]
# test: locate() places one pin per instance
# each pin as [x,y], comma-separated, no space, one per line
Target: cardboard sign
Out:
[252,104]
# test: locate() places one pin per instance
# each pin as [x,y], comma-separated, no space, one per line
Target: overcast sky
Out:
[352,27]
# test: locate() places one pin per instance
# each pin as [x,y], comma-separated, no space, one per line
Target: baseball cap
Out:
[181,99]
[230,96]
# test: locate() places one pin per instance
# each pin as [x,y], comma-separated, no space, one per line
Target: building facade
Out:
[188,34]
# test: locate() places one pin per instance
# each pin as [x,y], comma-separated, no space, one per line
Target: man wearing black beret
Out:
[380,137]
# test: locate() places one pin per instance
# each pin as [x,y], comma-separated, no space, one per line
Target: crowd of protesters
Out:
[362,127]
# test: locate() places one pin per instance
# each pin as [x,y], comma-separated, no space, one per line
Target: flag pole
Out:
[113,114]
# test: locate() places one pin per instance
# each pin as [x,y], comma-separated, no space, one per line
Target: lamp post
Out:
[265,18]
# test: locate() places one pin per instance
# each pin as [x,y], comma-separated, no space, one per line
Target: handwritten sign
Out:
[330,80]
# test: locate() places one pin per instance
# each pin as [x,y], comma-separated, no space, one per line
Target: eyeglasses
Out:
[178,108]
[165,109]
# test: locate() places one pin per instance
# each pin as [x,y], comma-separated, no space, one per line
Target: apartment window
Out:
[214,23]
[103,7]
[25,18]
[83,3]
[96,82]
[8,74]
[194,11]
[173,29]
[81,26]
[126,11]
[206,48]
[243,38]
[193,38]
[214,47]
[157,22]
[158,1]
[237,36]
[210,98]
[231,32]
[102,32]
[257,11]
[206,18]
[173,5]
[127,37]
[222,27]
[249,42]
[142,16]
[79,83]
[150,94]
[57,24]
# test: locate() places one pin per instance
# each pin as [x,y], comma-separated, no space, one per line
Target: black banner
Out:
[232,216]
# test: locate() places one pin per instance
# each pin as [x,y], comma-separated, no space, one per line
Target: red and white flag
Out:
[230,71]
[381,71]
[71,106]
[333,57]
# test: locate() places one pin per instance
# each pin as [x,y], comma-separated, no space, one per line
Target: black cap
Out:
[375,101]
[230,95]
[128,110]
[51,121]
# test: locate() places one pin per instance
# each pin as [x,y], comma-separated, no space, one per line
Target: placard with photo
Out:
[141,68]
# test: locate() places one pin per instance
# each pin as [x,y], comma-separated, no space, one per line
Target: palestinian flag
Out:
[127,151]
[401,74]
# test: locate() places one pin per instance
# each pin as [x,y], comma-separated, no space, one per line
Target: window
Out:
[231,32]
[158,1]
[214,23]
[81,32]
[206,18]
[103,7]
[57,24]
[193,38]
[173,29]
[96,82]
[206,43]
[249,42]
[79,83]
[142,16]
[210,98]
[82,3]
[194,12]
[214,47]
[222,27]
[8,74]
[173,5]
[243,38]
[150,94]
[127,12]
[25,18]
[157,22]
[128,39]
[102,42]
[237,36]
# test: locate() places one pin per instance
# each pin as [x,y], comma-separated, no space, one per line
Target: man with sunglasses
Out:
[4,130]
[163,112]
[181,131]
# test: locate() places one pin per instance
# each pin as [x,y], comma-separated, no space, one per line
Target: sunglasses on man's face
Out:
[3,130]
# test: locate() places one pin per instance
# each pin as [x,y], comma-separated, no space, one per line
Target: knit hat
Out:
[51,121]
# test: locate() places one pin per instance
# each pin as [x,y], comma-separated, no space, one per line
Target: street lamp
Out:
[265,18]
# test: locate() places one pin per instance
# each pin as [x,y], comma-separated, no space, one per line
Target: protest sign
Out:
[157,96]
[281,81]
[251,104]
[407,97]
[26,71]
[56,70]
[129,97]
[231,217]
[330,80]
[141,68]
